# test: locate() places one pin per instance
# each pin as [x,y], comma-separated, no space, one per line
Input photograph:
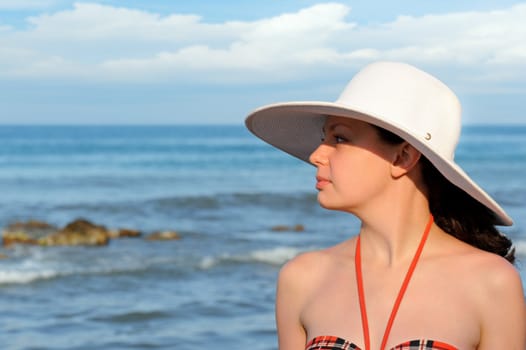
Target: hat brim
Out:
[296,128]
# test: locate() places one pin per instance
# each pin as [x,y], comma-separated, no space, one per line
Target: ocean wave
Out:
[31,268]
[274,256]
[133,316]
[213,201]
[235,199]
[34,269]
[25,277]
[42,264]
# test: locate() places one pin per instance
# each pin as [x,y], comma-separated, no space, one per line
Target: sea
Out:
[223,190]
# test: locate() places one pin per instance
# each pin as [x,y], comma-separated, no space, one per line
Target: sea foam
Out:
[274,256]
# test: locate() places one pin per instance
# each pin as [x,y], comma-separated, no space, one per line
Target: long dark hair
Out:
[456,212]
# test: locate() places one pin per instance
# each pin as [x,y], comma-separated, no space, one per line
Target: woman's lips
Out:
[321,182]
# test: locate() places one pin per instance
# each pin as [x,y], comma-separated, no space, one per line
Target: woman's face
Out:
[354,165]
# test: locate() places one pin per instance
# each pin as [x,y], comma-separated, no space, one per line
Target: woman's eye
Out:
[339,139]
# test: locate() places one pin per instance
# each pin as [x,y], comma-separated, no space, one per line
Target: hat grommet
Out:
[428,136]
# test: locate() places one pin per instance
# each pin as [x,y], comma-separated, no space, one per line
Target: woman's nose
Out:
[319,156]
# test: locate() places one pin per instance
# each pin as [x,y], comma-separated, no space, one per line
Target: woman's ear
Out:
[406,159]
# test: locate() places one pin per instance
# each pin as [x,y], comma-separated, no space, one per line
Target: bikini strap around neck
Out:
[361,294]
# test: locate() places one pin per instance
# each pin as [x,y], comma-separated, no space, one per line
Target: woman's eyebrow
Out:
[334,126]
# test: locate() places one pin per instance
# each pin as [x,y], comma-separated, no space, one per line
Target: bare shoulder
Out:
[497,290]
[484,270]
[501,283]
[493,274]
[488,273]
[305,263]
[298,281]
[309,268]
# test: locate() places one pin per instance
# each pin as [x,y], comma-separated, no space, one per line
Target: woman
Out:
[428,269]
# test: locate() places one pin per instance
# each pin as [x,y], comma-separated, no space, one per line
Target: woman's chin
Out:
[326,204]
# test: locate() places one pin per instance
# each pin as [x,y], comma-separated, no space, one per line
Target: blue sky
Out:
[166,62]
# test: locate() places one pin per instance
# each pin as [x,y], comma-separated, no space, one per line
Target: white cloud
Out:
[89,21]
[104,42]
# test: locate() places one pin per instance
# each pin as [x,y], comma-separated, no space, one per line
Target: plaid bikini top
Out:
[326,342]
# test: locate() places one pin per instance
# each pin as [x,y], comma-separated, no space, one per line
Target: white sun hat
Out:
[395,96]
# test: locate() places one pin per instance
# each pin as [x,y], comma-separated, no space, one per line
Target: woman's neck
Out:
[390,233]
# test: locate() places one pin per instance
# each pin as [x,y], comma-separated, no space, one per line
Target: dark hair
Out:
[456,212]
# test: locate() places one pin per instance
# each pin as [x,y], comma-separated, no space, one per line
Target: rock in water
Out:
[284,228]
[124,233]
[78,232]
[29,232]
[163,236]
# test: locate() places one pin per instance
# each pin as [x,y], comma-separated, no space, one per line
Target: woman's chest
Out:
[432,308]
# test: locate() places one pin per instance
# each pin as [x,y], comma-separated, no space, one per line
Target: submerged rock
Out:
[163,236]
[29,232]
[124,233]
[284,228]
